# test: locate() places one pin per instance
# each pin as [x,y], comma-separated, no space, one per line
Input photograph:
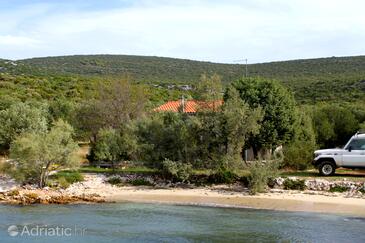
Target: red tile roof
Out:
[190,106]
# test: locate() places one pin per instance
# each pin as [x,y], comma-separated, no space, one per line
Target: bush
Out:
[114,180]
[140,182]
[260,174]
[223,176]
[176,170]
[298,155]
[290,184]
[63,183]
[338,188]
[69,176]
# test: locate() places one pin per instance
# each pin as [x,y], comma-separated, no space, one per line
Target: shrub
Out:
[298,155]
[290,184]
[69,176]
[176,170]
[140,182]
[114,180]
[260,174]
[63,183]
[338,188]
[223,176]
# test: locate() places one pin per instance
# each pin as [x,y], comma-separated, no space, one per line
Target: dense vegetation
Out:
[311,80]
[299,105]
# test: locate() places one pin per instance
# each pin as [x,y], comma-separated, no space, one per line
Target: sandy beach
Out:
[96,189]
[273,201]
[307,201]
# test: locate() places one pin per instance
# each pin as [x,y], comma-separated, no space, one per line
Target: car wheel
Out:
[326,168]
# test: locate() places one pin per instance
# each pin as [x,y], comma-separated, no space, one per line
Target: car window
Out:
[357,144]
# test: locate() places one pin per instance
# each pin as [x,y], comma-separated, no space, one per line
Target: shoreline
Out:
[293,202]
[95,189]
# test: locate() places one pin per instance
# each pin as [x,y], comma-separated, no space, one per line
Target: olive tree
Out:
[116,102]
[240,121]
[33,155]
[21,118]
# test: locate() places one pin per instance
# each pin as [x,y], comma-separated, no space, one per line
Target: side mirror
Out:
[350,148]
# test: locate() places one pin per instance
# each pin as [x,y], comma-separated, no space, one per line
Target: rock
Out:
[278,182]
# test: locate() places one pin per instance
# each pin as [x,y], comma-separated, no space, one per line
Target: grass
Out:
[70,176]
[352,175]
[65,178]
[136,170]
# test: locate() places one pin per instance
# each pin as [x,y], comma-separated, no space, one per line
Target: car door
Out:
[354,155]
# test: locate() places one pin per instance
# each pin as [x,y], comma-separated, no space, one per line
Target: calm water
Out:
[167,223]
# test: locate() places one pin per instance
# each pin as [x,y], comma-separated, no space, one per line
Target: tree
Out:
[333,125]
[62,108]
[21,118]
[35,154]
[210,89]
[239,122]
[298,153]
[279,111]
[107,146]
[117,102]
[166,135]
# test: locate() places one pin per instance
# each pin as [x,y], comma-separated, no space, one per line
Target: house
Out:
[193,106]
[189,106]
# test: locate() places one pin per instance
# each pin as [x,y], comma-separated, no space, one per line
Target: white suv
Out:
[351,156]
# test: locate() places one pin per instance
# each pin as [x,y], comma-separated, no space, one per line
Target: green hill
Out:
[323,79]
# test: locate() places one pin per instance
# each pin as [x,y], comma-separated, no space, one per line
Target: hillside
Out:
[323,79]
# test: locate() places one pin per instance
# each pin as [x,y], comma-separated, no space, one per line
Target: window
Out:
[357,144]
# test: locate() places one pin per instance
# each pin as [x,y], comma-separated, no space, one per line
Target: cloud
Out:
[221,31]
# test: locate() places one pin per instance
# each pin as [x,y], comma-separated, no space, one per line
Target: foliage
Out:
[115,180]
[34,154]
[239,121]
[115,102]
[166,135]
[209,88]
[62,182]
[107,147]
[333,125]
[298,153]
[260,174]
[338,188]
[62,108]
[290,184]
[312,80]
[70,176]
[21,118]
[114,145]
[140,182]
[176,170]
[204,140]
[278,107]
[222,176]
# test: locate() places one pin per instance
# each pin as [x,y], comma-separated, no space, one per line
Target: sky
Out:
[208,30]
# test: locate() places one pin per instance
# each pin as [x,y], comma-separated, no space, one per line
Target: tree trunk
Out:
[113,166]
[44,175]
